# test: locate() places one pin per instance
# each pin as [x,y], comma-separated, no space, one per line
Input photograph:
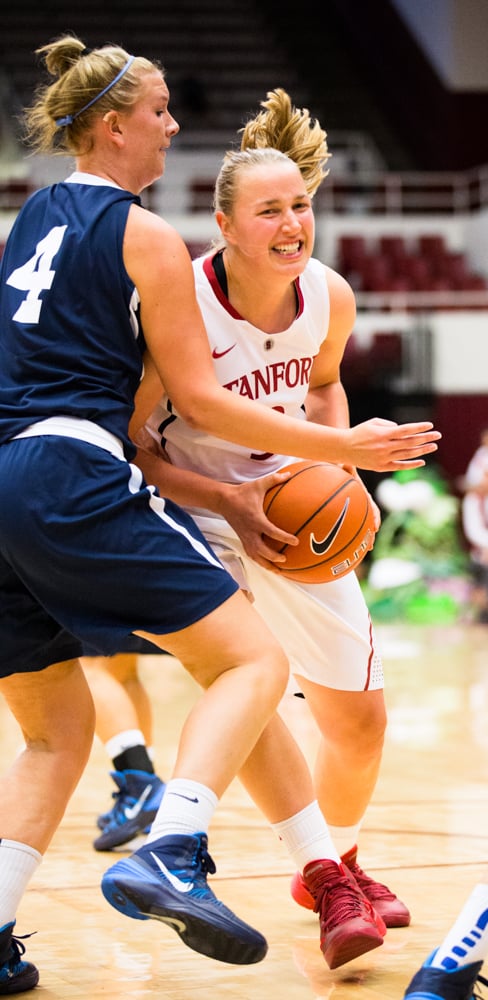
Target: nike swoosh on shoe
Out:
[176,882]
[130,812]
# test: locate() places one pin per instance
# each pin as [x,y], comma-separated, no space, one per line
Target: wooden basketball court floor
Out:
[425,834]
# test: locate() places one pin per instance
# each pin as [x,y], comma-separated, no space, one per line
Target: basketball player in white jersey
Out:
[278,321]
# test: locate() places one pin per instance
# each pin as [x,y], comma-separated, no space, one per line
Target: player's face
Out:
[149,128]
[273,219]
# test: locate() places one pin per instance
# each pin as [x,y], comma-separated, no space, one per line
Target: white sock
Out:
[345,837]
[18,862]
[467,940]
[306,837]
[124,741]
[186,807]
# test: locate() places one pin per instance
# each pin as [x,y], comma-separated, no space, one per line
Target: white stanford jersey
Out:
[274,370]
[325,629]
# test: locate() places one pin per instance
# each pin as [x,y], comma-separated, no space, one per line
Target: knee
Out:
[71,733]
[274,672]
[362,734]
[369,736]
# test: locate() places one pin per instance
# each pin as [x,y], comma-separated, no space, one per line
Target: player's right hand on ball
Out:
[242,507]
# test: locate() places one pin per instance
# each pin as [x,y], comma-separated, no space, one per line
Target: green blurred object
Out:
[414,603]
[417,568]
[432,609]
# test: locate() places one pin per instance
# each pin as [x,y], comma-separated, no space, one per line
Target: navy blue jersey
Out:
[70,340]
[88,553]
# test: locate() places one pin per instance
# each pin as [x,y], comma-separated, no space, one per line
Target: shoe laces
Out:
[202,864]
[337,897]
[484,982]
[202,860]
[376,890]
[17,949]
[120,793]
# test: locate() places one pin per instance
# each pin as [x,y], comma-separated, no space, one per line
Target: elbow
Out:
[197,416]
[205,406]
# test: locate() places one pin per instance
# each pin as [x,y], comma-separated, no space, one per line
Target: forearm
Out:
[235,418]
[189,489]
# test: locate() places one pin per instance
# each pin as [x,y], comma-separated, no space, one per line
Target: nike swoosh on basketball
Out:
[319,548]
[220,354]
[175,881]
[131,812]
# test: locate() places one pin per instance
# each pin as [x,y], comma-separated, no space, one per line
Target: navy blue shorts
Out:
[89,553]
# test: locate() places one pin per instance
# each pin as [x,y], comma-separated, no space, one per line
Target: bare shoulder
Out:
[142,224]
[337,284]
[342,299]
[151,243]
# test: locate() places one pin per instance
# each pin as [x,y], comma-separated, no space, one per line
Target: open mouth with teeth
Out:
[289,249]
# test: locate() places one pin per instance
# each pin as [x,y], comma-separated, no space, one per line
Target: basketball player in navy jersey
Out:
[89,554]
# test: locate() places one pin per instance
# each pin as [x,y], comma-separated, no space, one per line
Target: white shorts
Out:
[325,629]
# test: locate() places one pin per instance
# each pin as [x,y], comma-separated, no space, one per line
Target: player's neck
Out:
[270,305]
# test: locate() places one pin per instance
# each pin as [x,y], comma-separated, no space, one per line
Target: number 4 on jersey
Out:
[36,275]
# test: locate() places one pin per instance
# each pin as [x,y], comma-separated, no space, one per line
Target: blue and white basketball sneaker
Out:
[167,880]
[137,801]
[16,976]
[444,984]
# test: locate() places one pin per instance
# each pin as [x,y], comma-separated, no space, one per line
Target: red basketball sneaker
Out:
[393,912]
[349,925]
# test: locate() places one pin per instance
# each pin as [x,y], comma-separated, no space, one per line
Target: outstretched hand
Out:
[385,446]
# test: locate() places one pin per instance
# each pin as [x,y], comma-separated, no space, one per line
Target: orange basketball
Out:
[330,512]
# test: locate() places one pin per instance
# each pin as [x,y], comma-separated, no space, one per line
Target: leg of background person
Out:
[125,669]
[119,694]
[123,721]
[352,727]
